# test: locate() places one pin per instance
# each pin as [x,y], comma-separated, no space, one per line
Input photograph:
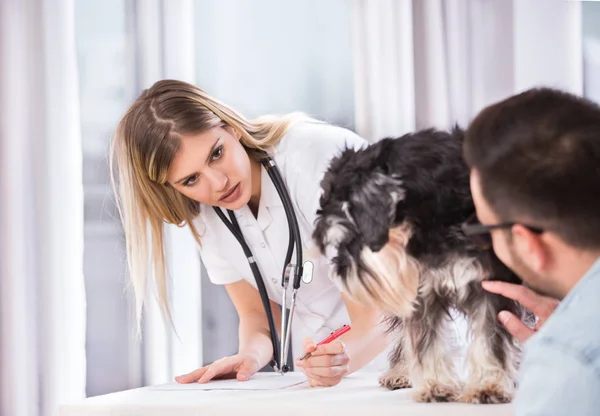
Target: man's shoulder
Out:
[573,329]
[560,370]
[556,379]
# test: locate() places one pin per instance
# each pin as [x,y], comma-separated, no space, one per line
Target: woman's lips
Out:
[232,195]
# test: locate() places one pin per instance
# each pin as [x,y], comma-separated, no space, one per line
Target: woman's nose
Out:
[218,180]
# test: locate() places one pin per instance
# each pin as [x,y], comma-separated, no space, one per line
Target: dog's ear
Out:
[458,133]
[373,208]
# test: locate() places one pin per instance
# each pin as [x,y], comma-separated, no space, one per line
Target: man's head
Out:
[535,168]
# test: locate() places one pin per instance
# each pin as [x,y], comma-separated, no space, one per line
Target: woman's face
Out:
[213,168]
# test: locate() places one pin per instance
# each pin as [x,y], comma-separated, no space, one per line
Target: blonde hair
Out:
[144,145]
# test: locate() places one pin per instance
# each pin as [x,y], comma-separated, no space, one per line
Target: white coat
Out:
[302,155]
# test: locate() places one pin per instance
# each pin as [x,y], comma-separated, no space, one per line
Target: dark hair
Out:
[537,154]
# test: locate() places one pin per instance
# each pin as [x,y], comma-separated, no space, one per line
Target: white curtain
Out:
[164,34]
[591,50]
[423,63]
[42,295]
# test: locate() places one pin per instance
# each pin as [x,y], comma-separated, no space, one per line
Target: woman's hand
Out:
[327,364]
[541,306]
[241,366]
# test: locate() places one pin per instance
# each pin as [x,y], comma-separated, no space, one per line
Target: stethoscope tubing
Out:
[294,238]
[279,351]
[262,290]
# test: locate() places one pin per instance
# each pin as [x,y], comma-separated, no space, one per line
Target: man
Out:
[535,179]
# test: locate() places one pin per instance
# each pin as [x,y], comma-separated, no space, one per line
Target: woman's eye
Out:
[217,153]
[191,180]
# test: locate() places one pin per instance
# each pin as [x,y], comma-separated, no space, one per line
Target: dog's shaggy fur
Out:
[390,221]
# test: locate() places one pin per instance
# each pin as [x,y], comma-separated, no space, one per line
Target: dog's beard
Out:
[387,279]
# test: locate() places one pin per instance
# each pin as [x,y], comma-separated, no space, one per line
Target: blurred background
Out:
[70,68]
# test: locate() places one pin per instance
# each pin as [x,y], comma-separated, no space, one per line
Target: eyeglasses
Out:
[480,233]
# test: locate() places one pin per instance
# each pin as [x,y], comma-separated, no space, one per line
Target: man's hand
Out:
[541,306]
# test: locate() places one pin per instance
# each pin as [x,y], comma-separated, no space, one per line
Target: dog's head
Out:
[359,200]
[357,225]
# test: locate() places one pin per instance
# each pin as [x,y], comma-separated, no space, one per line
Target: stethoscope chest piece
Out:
[308,269]
[307,272]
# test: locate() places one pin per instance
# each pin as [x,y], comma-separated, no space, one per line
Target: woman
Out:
[181,152]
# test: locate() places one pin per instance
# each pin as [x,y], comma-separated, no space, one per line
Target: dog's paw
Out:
[394,381]
[488,394]
[437,393]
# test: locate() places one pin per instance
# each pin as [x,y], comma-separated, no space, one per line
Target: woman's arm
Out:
[367,338]
[255,348]
[254,334]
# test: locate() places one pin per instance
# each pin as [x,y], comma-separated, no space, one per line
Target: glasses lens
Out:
[482,241]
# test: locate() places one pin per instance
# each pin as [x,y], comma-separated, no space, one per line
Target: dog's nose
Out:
[376,247]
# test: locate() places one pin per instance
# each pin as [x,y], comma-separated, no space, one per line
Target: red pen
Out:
[334,335]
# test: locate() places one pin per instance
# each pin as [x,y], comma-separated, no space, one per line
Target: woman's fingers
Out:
[327,365]
[324,373]
[191,377]
[222,367]
[325,360]
[314,383]
[326,376]
[309,345]
[333,348]
[242,366]
[212,372]
[246,369]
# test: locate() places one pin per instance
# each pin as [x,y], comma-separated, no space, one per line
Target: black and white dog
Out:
[390,221]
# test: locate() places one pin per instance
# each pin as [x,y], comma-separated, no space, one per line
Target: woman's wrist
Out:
[364,346]
[259,349]
[255,341]
[260,358]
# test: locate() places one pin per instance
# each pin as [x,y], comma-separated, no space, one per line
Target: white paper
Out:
[259,381]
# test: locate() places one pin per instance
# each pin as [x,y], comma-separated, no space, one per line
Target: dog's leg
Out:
[397,376]
[493,354]
[429,351]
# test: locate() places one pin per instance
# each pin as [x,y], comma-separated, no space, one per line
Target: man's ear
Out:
[532,248]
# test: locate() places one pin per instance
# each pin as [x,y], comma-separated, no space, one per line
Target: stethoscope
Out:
[280,347]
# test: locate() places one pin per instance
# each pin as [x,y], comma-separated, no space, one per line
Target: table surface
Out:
[358,393]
